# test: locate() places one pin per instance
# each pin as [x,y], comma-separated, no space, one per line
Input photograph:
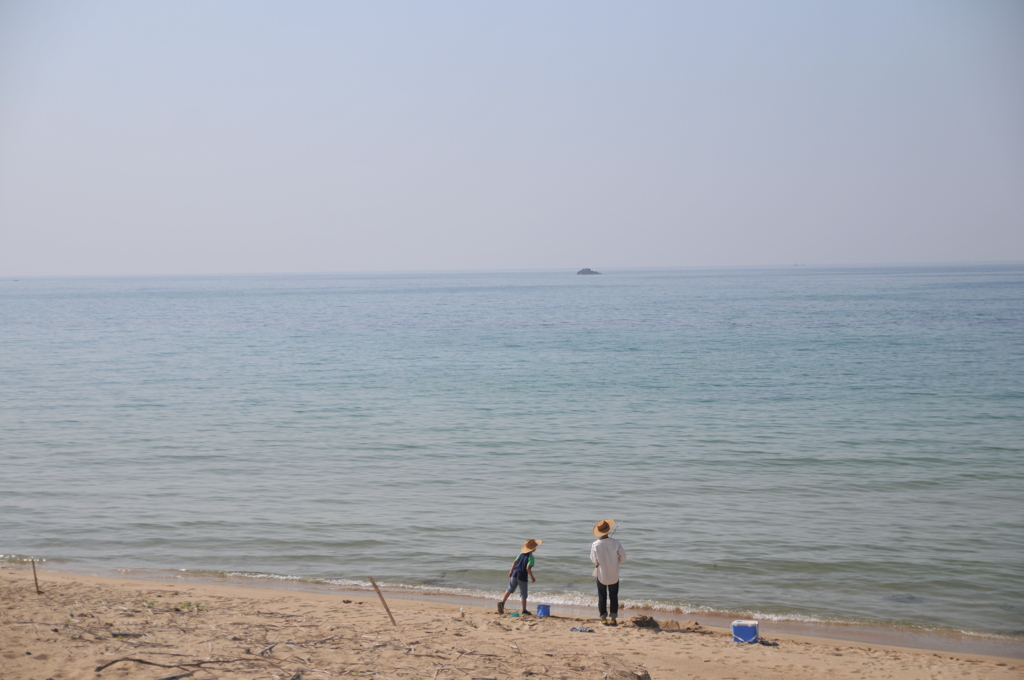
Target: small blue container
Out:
[543,610]
[744,631]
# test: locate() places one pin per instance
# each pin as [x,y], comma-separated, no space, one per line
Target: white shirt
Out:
[606,553]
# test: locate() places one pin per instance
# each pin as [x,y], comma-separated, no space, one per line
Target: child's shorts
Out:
[523,586]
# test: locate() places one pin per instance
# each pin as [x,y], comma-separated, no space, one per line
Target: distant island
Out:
[586,271]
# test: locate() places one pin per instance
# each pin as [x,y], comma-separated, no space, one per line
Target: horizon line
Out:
[609,268]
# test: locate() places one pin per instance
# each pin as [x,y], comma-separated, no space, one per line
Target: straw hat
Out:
[604,527]
[530,545]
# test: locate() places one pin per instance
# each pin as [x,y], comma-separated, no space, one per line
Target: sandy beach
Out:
[95,627]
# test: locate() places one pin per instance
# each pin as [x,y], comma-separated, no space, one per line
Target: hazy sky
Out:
[227,137]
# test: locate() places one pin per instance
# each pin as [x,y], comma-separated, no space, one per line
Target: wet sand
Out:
[95,627]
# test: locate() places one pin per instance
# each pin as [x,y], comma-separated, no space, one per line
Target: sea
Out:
[820,444]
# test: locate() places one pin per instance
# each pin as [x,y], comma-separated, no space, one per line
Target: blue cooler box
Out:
[744,631]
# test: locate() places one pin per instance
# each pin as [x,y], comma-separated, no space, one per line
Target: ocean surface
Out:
[819,444]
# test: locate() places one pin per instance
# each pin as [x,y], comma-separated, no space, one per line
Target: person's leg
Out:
[613,595]
[602,600]
[524,592]
[512,585]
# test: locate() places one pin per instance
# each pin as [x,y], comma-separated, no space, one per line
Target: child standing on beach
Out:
[522,568]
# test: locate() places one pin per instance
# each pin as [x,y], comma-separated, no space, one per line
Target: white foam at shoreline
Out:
[864,631]
[578,599]
[571,598]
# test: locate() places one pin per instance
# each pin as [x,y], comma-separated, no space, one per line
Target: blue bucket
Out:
[543,610]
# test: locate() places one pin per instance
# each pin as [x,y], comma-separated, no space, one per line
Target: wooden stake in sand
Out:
[36,578]
[381,596]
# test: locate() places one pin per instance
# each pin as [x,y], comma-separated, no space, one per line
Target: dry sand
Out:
[107,629]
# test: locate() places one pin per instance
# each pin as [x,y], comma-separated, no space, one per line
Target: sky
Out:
[210,137]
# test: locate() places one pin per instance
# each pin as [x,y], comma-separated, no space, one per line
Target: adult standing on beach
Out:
[606,553]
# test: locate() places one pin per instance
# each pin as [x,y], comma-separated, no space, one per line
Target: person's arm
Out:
[529,570]
[593,555]
[512,568]
[622,554]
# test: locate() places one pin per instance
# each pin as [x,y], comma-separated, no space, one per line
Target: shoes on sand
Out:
[609,622]
[501,607]
[527,613]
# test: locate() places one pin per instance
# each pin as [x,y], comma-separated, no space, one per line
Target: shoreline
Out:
[83,627]
[933,640]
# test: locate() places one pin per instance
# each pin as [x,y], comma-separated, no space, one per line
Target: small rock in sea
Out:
[586,271]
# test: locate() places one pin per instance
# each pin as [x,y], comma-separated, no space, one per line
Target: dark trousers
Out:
[603,592]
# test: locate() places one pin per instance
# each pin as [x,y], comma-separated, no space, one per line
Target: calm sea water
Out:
[830,444]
